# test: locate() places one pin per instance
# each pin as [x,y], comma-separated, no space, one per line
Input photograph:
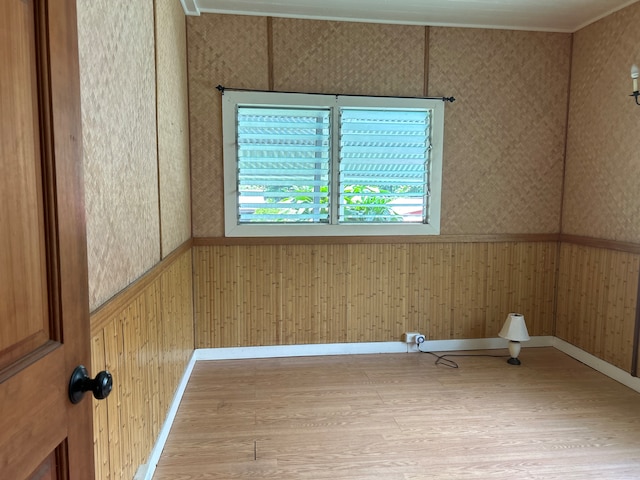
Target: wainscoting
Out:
[247,295]
[144,337]
[597,298]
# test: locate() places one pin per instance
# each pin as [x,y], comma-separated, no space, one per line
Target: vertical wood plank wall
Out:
[304,294]
[597,296]
[146,342]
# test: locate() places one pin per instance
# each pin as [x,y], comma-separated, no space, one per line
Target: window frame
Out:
[232,98]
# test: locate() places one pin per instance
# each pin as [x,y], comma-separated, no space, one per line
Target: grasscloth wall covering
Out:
[173,125]
[349,58]
[118,94]
[223,50]
[505,134]
[603,160]
[137,177]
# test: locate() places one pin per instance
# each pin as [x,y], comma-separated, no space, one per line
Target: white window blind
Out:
[383,165]
[283,165]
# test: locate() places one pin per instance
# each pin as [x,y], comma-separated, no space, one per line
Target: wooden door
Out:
[44,318]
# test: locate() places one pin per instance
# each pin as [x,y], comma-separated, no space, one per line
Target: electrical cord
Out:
[445,362]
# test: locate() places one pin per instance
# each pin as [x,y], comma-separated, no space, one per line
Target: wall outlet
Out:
[413,338]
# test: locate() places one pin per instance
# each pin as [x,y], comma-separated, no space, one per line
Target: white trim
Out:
[598,364]
[190,8]
[603,15]
[480,344]
[312,350]
[146,471]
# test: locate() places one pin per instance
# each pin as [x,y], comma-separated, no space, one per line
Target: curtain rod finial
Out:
[220,88]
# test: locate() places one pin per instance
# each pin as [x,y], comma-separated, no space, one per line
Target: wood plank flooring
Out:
[401,417]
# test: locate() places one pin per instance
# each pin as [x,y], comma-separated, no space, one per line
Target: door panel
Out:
[47,469]
[44,317]
[22,247]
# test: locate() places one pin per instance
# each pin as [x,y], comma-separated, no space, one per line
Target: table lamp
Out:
[514,330]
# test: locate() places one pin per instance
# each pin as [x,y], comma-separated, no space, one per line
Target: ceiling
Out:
[542,15]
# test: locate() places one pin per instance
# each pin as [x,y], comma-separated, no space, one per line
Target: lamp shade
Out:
[514,328]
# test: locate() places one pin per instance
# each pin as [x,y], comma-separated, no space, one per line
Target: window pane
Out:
[383,165]
[283,165]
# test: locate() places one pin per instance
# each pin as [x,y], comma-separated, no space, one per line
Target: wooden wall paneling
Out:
[520,279]
[249,295]
[100,419]
[127,417]
[546,289]
[314,293]
[154,385]
[176,317]
[262,276]
[469,263]
[203,297]
[562,326]
[167,341]
[298,294]
[617,341]
[377,286]
[430,290]
[597,296]
[146,344]
[237,296]
[113,345]
[332,293]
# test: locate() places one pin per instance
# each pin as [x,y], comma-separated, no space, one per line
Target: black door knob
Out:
[81,382]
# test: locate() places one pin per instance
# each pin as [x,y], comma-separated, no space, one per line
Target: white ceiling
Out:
[544,15]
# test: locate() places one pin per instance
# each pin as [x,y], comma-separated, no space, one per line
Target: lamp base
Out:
[513,361]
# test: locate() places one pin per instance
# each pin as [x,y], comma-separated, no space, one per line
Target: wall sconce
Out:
[635,73]
[514,330]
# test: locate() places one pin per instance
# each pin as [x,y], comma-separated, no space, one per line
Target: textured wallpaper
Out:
[119,138]
[223,50]
[603,145]
[504,136]
[505,133]
[349,58]
[173,125]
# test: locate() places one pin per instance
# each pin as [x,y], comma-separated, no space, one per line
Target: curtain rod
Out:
[221,89]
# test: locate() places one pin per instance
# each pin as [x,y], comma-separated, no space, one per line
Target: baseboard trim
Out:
[146,471]
[598,364]
[365,348]
[313,350]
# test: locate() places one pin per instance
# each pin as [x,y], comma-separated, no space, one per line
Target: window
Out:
[325,165]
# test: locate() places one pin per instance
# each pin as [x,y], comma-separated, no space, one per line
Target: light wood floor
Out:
[400,417]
